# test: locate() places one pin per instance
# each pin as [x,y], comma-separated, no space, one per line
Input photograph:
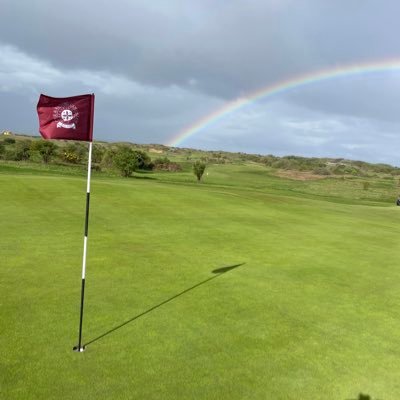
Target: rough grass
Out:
[312,312]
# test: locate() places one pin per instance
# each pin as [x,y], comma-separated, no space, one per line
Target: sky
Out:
[168,72]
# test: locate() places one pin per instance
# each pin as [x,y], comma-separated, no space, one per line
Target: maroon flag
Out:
[69,118]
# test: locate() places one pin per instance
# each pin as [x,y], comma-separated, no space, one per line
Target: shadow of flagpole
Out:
[218,272]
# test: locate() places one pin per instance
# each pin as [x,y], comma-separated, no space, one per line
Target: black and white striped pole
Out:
[80,347]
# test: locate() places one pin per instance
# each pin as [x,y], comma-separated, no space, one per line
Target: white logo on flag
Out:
[66,116]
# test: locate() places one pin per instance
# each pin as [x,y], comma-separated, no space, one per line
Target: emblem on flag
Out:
[67,116]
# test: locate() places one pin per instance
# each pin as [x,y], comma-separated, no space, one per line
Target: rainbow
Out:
[283,87]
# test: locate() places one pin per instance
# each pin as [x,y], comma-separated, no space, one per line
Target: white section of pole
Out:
[84,257]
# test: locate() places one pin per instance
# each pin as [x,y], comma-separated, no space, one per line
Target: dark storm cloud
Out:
[228,47]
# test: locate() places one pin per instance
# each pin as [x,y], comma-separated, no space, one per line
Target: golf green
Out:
[309,310]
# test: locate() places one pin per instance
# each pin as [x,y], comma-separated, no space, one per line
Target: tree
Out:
[366,185]
[126,160]
[46,149]
[198,169]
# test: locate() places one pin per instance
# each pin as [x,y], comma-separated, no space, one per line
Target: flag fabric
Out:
[68,118]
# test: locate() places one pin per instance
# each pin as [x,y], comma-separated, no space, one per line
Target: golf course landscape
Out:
[199,200]
[245,285]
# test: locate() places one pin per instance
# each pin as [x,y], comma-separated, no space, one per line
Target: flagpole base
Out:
[79,349]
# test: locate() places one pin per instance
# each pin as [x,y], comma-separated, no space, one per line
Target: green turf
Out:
[312,312]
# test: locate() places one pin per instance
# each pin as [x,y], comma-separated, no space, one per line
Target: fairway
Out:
[311,309]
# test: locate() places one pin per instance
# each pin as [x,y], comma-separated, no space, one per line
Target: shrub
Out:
[269,160]
[143,160]
[346,170]
[96,167]
[321,171]
[73,153]
[9,140]
[164,164]
[108,158]
[97,153]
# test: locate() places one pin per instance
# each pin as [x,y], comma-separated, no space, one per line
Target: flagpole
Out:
[80,347]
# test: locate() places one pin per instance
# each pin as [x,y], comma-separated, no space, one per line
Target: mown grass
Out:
[312,312]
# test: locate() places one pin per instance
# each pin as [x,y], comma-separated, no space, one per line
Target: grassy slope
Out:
[313,313]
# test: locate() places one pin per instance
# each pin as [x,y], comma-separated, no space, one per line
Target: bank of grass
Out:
[312,312]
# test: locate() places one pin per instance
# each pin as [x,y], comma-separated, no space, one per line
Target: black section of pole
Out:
[87,214]
[81,316]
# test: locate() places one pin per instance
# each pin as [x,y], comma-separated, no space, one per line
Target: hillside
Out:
[294,167]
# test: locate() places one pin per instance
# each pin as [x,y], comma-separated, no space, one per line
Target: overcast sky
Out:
[157,67]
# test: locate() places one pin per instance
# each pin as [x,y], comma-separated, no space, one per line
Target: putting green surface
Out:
[310,311]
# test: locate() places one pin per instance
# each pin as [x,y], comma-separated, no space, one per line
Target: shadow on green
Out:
[218,272]
[363,397]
